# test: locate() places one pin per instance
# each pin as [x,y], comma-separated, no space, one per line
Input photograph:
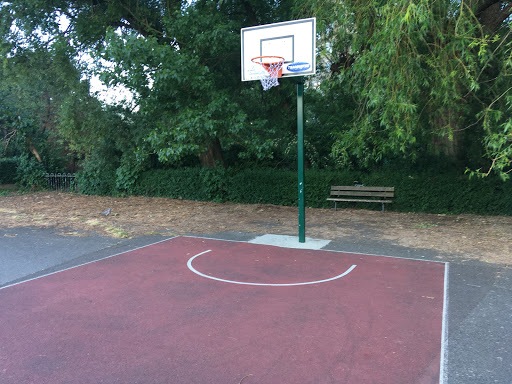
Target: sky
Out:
[109,95]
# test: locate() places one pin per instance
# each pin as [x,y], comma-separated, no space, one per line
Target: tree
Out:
[180,59]
[427,78]
[47,110]
[33,84]
[189,90]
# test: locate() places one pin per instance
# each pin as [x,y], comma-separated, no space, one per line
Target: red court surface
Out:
[145,317]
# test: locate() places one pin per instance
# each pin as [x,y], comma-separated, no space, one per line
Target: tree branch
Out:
[486,4]
[34,150]
[491,14]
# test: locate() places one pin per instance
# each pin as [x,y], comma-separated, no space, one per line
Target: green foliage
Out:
[426,77]
[188,90]
[213,182]
[36,78]
[414,80]
[498,141]
[426,192]
[98,174]
[445,193]
[203,184]
[8,169]
[30,174]
[263,186]
[127,173]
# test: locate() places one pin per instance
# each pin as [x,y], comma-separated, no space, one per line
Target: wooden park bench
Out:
[362,194]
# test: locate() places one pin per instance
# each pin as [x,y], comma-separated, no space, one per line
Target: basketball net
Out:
[273,74]
[273,66]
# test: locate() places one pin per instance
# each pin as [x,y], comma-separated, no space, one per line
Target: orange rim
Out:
[267,65]
[279,59]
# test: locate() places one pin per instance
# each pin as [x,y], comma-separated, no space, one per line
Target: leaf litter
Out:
[466,237]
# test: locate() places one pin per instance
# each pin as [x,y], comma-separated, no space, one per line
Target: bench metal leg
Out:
[335,206]
[383,207]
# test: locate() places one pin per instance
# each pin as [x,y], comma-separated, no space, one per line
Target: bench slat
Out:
[362,200]
[363,188]
[362,193]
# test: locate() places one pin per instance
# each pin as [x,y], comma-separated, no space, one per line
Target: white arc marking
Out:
[189,265]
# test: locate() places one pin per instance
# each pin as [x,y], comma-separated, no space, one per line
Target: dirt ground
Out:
[486,238]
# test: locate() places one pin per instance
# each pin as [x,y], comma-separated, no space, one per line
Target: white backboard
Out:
[294,40]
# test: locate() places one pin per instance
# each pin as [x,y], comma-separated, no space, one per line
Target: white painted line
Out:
[286,241]
[89,262]
[324,250]
[443,374]
[189,265]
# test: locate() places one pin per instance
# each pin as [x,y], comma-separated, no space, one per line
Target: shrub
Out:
[427,191]
[263,186]
[97,176]
[202,184]
[8,167]
[30,174]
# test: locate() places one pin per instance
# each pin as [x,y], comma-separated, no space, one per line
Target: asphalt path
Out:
[479,317]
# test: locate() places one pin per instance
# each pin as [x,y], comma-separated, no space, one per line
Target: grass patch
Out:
[425,225]
[112,231]
[5,210]
[117,232]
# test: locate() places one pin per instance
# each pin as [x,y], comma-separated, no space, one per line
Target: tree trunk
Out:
[213,154]
[492,14]
[34,150]
[451,147]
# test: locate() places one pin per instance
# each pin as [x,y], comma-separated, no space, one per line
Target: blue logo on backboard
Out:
[298,67]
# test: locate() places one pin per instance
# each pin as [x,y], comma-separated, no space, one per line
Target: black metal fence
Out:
[61,181]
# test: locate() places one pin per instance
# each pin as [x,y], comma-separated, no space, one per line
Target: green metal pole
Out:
[300,158]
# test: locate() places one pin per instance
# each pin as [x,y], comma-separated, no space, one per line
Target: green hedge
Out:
[262,186]
[8,167]
[203,184]
[447,193]
[426,192]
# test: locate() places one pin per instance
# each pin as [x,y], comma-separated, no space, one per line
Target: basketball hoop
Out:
[273,65]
